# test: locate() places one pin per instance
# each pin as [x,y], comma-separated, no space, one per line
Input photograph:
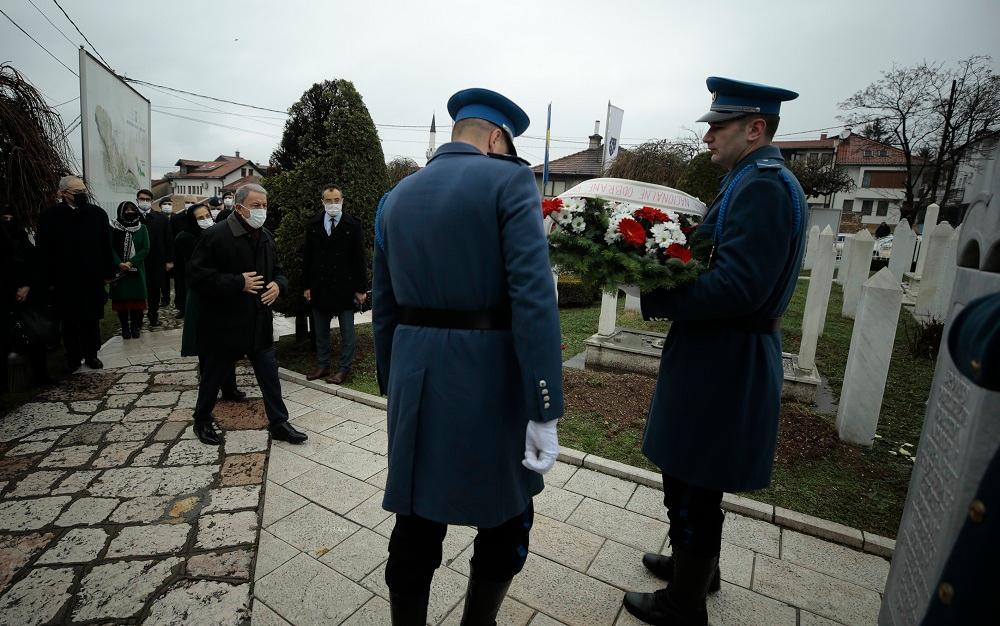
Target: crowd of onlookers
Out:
[59,274]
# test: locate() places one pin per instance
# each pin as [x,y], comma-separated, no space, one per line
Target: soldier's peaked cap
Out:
[735,98]
[491,106]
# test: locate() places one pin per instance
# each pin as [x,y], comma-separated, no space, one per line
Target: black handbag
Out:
[35,325]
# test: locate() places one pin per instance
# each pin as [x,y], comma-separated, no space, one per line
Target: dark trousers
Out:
[180,289]
[130,319]
[165,285]
[217,369]
[228,384]
[695,516]
[415,551]
[348,338]
[81,339]
[154,287]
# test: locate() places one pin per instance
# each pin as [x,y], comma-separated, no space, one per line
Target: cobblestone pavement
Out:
[110,512]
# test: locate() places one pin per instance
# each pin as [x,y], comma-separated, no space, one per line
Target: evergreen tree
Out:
[701,177]
[329,138]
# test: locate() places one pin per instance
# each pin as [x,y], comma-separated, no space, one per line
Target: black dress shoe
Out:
[94,363]
[135,333]
[72,366]
[207,434]
[286,432]
[154,322]
[234,396]
[662,567]
[180,315]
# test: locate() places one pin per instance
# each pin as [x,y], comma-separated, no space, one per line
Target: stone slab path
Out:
[110,512]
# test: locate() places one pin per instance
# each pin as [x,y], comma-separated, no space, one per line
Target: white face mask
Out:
[145,205]
[166,208]
[187,205]
[257,218]
[205,223]
[228,202]
[214,212]
[333,209]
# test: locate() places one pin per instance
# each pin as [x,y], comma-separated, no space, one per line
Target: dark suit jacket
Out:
[335,266]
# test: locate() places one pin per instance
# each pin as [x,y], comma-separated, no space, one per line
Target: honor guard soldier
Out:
[713,420]
[467,345]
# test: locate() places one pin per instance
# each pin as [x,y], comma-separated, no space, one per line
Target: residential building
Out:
[203,179]
[568,171]
[877,169]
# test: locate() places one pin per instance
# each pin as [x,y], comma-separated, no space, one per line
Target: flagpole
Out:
[548,138]
[607,132]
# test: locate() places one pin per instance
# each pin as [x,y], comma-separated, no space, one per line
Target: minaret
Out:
[430,144]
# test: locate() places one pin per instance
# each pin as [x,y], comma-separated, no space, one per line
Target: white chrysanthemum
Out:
[668,233]
[578,224]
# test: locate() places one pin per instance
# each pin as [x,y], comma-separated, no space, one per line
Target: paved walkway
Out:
[103,474]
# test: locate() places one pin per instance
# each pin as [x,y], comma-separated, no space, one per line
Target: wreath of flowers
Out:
[612,243]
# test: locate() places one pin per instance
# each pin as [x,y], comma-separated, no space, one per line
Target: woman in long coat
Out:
[129,247]
[194,221]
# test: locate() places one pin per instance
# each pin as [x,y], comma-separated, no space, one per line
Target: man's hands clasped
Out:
[254,283]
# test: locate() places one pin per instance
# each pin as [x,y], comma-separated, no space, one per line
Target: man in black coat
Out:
[178,273]
[160,259]
[336,278]
[74,241]
[236,273]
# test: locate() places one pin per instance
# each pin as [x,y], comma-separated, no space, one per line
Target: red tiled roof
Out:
[807,144]
[852,152]
[215,169]
[190,163]
[246,180]
[584,163]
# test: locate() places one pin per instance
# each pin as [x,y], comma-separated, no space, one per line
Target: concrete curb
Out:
[792,520]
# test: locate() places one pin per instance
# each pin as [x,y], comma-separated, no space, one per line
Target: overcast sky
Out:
[649,58]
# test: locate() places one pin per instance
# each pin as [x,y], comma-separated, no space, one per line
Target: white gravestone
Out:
[845,250]
[632,304]
[609,312]
[904,240]
[833,267]
[933,271]
[930,221]
[942,302]
[817,297]
[961,429]
[811,248]
[868,358]
[858,268]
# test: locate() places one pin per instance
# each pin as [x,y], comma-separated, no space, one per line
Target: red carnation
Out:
[651,215]
[687,230]
[632,232]
[551,205]
[677,251]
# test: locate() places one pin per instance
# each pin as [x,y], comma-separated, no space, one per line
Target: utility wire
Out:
[31,2]
[38,44]
[191,93]
[194,119]
[81,33]
[73,99]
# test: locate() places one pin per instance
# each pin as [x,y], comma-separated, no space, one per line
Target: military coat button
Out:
[977,511]
[946,593]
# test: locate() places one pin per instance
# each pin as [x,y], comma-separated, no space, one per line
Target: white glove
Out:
[630,290]
[541,446]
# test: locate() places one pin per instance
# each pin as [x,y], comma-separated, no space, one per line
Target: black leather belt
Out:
[748,325]
[490,319]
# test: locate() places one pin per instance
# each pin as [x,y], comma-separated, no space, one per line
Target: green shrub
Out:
[573,293]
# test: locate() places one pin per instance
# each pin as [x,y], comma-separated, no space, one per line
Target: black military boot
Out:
[482,602]
[682,602]
[408,610]
[662,567]
[206,433]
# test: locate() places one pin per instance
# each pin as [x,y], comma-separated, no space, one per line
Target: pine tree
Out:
[329,138]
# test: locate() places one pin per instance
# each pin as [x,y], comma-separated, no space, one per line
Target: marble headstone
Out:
[868,358]
[609,312]
[934,270]
[961,430]
[817,297]
[904,240]
[808,261]
[930,221]
[858,267]
[942,301]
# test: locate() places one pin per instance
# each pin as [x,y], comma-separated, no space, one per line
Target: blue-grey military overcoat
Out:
[464,233]
[713,420]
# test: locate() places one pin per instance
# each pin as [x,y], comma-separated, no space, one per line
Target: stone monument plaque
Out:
[962,428]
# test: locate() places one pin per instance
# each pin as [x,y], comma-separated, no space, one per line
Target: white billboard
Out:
[115,123]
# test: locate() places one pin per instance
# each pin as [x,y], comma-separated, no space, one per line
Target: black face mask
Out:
[80,199]
[130,218]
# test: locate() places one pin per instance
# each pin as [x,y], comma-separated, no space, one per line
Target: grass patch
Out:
[300,356]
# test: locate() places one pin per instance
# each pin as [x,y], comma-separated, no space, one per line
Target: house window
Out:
[868,153]
[866,179]
[826,157]
[866,207]
[883,208]
[883,152]
[848,205]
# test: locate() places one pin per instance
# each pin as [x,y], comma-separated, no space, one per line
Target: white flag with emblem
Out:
[612,143]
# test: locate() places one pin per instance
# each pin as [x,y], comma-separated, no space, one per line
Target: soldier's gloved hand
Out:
[541,446]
